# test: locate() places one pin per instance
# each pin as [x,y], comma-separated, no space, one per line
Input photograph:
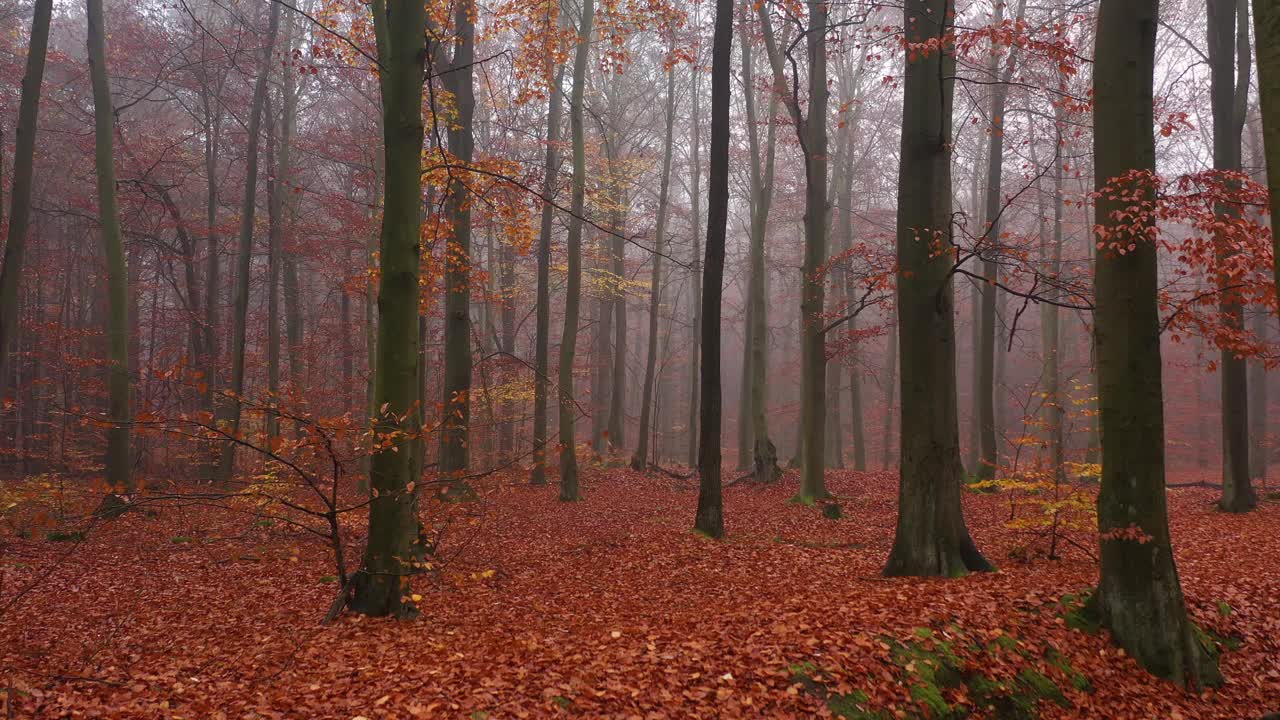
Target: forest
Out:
[486,359]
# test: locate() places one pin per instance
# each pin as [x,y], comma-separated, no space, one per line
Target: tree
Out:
[569,490]
[640,460]
[394,547]
[710,516]
[20,195]
[764,452]
[931,537]
[551,167]
[1266,31]
[1139,597]
[1229,96]
[811,132]
[229,410]
[988,456]
[118,460]
[457,75]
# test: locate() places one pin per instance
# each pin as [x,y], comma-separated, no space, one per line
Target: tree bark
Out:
[1139,597]
[569,485]
[230,407]
[20,193]
[394,548]
[542,340]
[118,460]
[1228,97]
[640,460]
[931,538]
[454,446]
[710,515]
[695,325]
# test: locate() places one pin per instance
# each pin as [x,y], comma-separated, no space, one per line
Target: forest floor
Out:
[613,607]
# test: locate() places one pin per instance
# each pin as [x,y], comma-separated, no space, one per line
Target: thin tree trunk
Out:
[230,407]
[20,195]
[274,208]
[710,515]
[640,460]
[988,455]
[542,341]
[931,538]
[695,325]
[1139,597]
[764,452]
[456,404]
[569,485]
[1266,30]
[118,459]
[1229,97]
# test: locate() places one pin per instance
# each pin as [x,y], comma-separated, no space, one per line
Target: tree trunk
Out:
[891,385]
[542,340]
[695,325]
[1228,97]
[618,391]
[569,490]
[230,408]
[394,548]
[274,208]
[710,516]
[764,453]
[988,455]
[931,538]
[118,461]
[456,403]
[640,460]
[20,194]
[1139,597]
[1266,31]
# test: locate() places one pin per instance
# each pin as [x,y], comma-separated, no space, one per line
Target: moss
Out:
[923,633]
[853,706]
[329,579]
[1003,642]
[180,540]
[931,698]
[805,500]
[1224,609]
[832,511]
[65,536]
[1080,614]
[562,701]
[1037,686]
[1075,677]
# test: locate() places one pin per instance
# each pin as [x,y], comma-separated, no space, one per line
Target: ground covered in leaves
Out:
[612,607]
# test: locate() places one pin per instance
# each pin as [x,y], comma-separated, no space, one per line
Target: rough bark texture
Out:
[394,547]
[118,460]
[1266,32]
[1139,597]
[710,516]
[695,325]
[931,537]
[569,490]
[20,193]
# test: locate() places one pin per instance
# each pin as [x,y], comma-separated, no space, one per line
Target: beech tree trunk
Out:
[764,453]
[456,421]
[710,516]
[20,193]
[230,407]
[542,339]
[931,538]
[1229,99]
[695,325]
[1139,597]
[640,460]
[569,490]
[118,460]
[1266,32]
[394,549]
